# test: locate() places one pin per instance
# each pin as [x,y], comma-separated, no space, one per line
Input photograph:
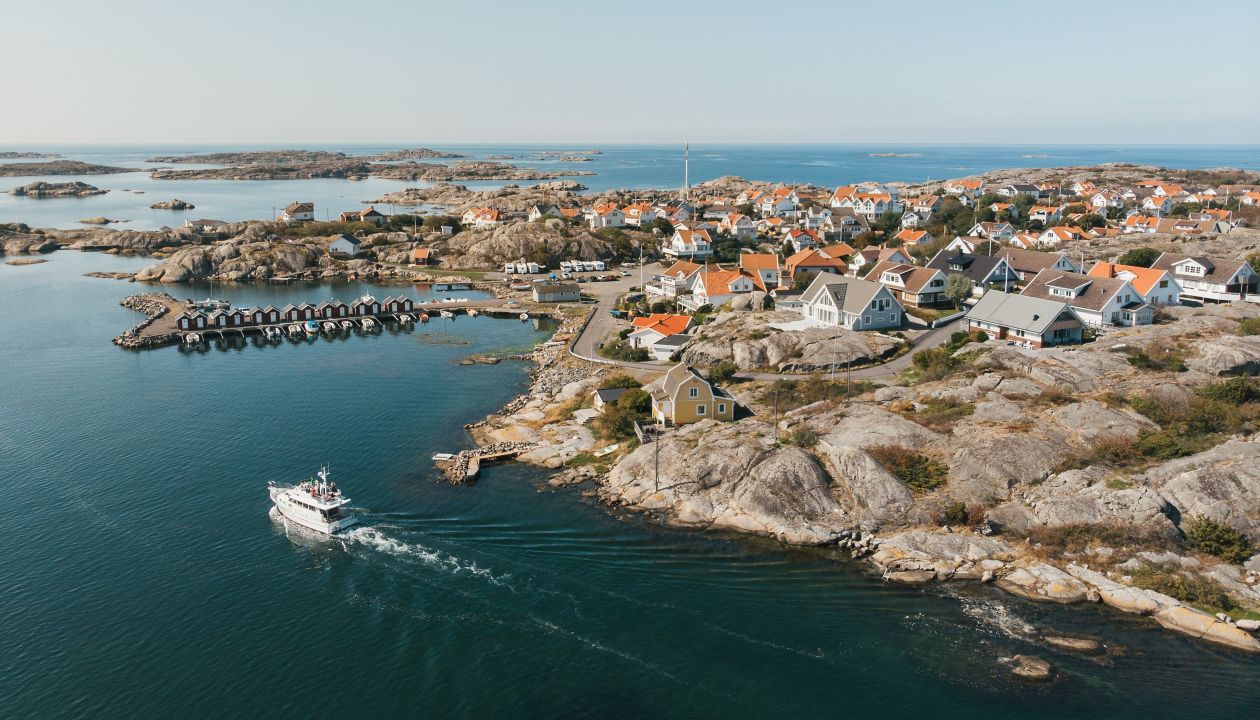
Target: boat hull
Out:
[291,512]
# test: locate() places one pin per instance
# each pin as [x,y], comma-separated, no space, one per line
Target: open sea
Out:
[143,576]
[618,166]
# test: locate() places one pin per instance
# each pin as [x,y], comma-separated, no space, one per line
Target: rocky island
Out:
[60,167]
[43,189]
[25,155]
[175,204]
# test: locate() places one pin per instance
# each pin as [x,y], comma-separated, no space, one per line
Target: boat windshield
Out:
[331,513]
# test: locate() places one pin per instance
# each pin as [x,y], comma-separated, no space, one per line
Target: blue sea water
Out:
[618,166]
[143,576]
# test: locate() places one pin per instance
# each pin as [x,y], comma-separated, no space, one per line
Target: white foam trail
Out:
[997,615]
[375,539]
[816,654]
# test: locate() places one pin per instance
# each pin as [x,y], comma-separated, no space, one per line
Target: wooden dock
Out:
[160,328]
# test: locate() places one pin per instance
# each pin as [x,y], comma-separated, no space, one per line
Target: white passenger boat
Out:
[315,503]
[446,313]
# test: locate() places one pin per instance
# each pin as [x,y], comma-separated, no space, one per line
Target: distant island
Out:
[15,155]
[60,167]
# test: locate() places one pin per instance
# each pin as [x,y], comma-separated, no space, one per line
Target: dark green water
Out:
[143,576]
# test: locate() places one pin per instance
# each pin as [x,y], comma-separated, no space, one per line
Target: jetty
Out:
[465,465]
[182,322]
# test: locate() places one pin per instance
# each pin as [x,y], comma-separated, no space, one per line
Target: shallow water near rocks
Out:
[144,575]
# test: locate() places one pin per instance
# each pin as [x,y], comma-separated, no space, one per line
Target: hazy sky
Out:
[275,71]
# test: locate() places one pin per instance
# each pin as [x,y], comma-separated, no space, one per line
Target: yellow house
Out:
[682,397]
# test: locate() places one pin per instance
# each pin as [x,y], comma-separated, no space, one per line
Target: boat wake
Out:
[376,540]
[995,615]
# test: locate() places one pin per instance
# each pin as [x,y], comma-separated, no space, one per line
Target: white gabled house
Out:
[689,245]
[852,303]
[1206,278]
[1099,301]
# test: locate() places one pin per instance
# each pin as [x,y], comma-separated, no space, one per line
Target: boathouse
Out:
[267,315]
[366,305]
[396,304]
[333,309]
[190,320]
[237,318]
[218,318]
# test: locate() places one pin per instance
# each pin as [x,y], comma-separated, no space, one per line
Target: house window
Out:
[721,408]
[866,320]
[693,393]
[700,409]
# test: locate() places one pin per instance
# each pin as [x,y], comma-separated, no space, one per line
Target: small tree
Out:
[1139,257]
[957,289]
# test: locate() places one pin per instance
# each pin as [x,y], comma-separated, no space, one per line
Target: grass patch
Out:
[791,394]
[942,362]
[917,470]
[1158,357]
[940,414]
[1077,538]
[1249,326]
[801,437]
[1201,592]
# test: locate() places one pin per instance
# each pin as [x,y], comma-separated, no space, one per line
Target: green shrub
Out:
[1235,391]
[1249,326]
[1076,538]
[941,414]
[801,437]
[955,513]
[1218,540]
[920,472]
[723,371]
[620,381]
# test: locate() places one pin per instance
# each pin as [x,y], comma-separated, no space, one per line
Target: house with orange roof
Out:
[1138,223]
[998,208]
[863,260]
[763,267]
[871,204]
[770,226]
[1045,214]
[638,214]
[739,226]
[650,330]
[605,215]
[809,262]
[716,286]
[482,217]
[1157,285]
[1251,197]
[367,214]
[421,256]
[677,280]
[910,238]
[1107,199]
[964,187]
[925,204]
[841,194]
[1158,204]
[910,284]
[1055,236]
[781,202]
[689,244]
[1171,190]
[801,239]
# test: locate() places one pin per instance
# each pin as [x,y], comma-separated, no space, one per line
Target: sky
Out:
[490,71]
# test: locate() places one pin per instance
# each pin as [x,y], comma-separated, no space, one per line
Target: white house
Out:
[344,246]
[1099,301]
[1158,287]
[298,212]
[852,303]
[1208,278]
[716,287]
[689,244]
[605,215]
[738,225]
[995,231]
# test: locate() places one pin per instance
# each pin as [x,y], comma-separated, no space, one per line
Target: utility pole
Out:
[656,443]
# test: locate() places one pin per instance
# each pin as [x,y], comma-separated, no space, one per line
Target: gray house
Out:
[558,292]
[852,303]
[1034,322]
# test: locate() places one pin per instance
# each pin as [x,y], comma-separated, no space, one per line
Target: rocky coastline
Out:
[1020,486]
